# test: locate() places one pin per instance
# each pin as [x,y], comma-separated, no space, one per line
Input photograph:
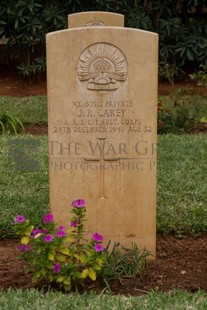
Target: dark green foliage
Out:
[35,69]
[182,28]
[25,23]
[122,263]
[10,124]
[117,6]
[181,25]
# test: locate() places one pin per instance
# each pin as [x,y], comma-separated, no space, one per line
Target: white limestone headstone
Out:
[102,107]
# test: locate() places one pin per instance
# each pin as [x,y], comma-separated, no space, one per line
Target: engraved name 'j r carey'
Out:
[102,113]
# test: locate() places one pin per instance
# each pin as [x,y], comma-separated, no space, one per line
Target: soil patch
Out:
[36,130]
[11,84]
[180,263]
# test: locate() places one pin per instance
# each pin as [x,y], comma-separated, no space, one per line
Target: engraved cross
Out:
[102,160]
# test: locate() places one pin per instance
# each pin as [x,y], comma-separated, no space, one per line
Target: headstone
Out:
[102,104]
[95,19]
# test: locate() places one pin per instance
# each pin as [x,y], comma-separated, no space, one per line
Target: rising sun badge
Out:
[102,66]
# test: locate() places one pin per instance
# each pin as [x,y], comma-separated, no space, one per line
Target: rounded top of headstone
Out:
[95,19]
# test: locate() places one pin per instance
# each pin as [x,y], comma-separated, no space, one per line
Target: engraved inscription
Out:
[102,160]
[94,23]
[102,66]
[114,116]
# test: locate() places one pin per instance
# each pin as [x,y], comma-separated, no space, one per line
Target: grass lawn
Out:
[181,207]
[32,109]
[181,184]
[32,299]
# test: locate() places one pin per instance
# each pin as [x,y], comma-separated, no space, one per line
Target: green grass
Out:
[32,299]
[181,188]
[23,192]
[31,109]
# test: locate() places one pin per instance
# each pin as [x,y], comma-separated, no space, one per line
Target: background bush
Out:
[181,25]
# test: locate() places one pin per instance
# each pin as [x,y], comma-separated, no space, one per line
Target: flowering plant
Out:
[58,254]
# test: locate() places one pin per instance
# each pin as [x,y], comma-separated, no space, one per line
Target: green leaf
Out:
[39,250]
[67,281]
[2,126]
[84,273]
[51,256]
[43,272]
[50,277]
[35,276]
[81,258]
[16,24]
[68,239]
[60,258]
[25,240]
[190,54]
[67,287]
[203,120]
[64,251]
[60,279]
[92,273]
[96,266]
[29,229]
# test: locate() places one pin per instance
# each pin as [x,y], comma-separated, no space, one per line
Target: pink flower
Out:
[61,234]
[56,268]
[20,219]
[38,231]
[35,232]
[61,228]
[78,203]
[48,238]
[74,223]
[23,248]
[48,218]
[98,247]
[97,237]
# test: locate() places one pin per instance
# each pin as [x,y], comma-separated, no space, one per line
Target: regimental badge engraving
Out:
[102,66]
[93,23]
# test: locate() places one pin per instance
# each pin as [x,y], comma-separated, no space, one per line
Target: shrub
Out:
[124,263]
[181,111]
[181,26]
[65,258]
[61,255]
[201,76]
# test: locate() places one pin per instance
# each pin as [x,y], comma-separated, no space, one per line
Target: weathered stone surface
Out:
[102,104]
[95,19]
